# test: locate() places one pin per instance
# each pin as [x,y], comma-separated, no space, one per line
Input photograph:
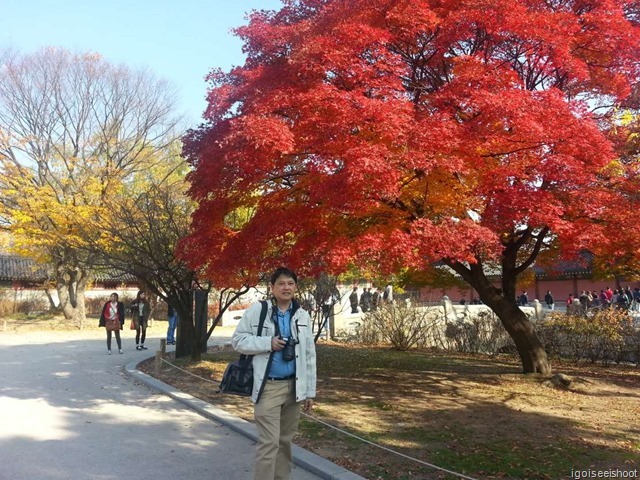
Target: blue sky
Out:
[179,40]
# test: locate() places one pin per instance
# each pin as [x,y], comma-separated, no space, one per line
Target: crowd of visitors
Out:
[370,298]
[621,298]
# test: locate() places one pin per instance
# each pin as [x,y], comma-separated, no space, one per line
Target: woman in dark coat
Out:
[140,310]
[112,310]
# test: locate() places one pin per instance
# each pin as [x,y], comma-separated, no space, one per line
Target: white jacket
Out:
[246,340]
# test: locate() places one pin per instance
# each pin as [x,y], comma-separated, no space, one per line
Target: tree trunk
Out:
[503,303]
[200,324]
[52,304]
[80,310]
[70,287]
[531,351]
[185,341]
[185,344]
[63,296]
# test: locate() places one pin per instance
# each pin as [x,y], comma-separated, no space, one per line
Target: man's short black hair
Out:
[283,271]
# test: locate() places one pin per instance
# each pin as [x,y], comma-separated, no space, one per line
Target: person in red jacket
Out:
[112,310]
[609,293]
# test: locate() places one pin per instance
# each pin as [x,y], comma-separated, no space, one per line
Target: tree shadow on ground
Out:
[474,415]
[468,415]
[69,411]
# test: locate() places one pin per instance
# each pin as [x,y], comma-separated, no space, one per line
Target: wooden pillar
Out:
[158,363]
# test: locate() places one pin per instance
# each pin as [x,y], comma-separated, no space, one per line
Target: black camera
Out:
[289,350]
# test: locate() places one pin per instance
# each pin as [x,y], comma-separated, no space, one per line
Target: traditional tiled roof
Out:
[14,267]
[583,265]
[113,276]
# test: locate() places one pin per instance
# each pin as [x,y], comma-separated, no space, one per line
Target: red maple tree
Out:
[392,134]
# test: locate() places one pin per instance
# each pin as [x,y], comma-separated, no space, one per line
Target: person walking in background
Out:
[375,299]
[328,301]
[629,294]
[614,299]
[604,299]
[548,298]
[365,300]
[622,301]
[353,300]
[595,299]
[112,311]
[570,299]
[284,365]
[524,299]
[584,300]
[140,309]
[609,293]
[387,294]
[172,318]
[636,299]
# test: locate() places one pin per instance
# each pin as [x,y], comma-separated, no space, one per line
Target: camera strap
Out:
[263,316]
[274,319]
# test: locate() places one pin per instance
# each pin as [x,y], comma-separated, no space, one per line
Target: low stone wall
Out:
[346,321]
[465,328]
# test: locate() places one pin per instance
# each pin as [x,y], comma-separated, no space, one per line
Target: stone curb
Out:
[305,459]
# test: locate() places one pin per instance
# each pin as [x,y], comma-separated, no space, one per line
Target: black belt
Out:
[282,378]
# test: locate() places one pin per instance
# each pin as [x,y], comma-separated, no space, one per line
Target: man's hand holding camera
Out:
[287,345]
[277,344]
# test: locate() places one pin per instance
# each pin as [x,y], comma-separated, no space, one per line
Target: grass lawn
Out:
[470,414]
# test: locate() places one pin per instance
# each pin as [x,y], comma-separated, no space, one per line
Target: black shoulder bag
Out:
[238,376]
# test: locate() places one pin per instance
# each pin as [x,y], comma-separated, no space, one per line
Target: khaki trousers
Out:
[276,415]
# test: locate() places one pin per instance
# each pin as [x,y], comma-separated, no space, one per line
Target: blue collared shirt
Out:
[279,368]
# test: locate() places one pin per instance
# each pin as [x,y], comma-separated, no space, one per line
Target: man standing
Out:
[548,298]
[524,299]
[375,299]
[636,299]
[353,300]
[172,318]
[365,300]
[284,366]
[387,294]
[328,302]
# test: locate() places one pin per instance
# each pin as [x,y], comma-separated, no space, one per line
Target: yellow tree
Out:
[73,128]
[147,221]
